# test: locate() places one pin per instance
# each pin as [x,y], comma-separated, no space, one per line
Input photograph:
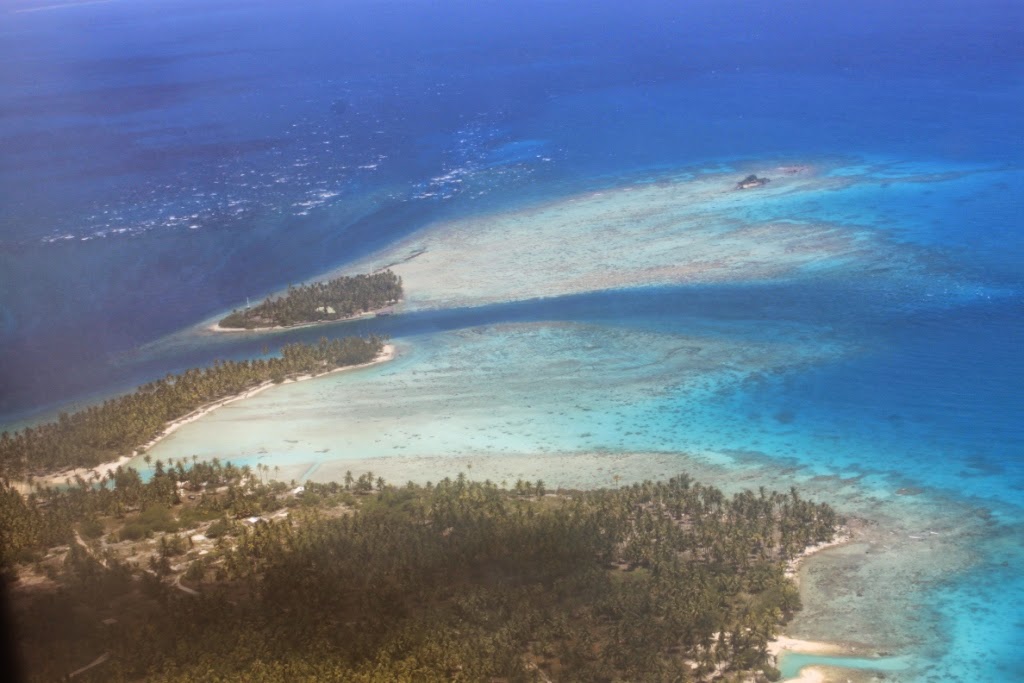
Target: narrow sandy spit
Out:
[813,647]
[386,354]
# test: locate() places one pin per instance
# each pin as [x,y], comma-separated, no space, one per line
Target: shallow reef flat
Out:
[689,228]
[523,388]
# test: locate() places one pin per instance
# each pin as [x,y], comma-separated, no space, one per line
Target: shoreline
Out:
[783,643]
[842,537]
[22,485]
[809,674]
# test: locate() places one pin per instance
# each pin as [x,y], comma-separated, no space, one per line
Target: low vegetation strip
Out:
[337,299]
[103,432]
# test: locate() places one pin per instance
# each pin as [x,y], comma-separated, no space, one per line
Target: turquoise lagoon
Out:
[883,377]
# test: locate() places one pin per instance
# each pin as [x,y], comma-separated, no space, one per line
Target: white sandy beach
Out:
[810,674]
[783,643]
[793,566]
[102,470]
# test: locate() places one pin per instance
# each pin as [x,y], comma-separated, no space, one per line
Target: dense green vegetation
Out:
[335,299]
[362,581]
[103,432]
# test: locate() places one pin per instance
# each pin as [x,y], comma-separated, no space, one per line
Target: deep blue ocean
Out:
[162,161]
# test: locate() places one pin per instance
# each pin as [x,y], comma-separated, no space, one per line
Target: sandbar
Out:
[690,229]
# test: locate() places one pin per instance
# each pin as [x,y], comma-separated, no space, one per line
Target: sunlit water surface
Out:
[160,167]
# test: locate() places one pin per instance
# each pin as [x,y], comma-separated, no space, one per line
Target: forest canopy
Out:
[101,433]
[337,299]
[244,579]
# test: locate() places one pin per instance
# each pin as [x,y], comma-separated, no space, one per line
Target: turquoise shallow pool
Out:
[792,663]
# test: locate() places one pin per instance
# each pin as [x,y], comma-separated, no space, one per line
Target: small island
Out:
[342,298]
[752,181]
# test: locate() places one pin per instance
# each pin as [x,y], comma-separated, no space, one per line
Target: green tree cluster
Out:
[335,299]
[103,432]
[459,581]
[49,516]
